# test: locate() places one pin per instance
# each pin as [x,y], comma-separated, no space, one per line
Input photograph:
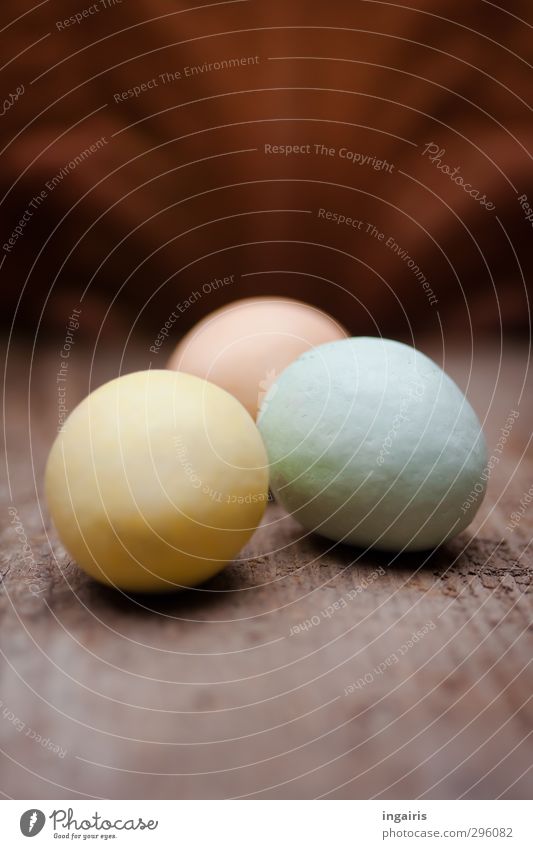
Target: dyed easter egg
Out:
[156,481]
[244,346]
[371,443]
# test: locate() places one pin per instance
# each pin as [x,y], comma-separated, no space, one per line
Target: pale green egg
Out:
[371,443]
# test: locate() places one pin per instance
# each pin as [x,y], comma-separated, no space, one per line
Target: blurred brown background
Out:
[182,191]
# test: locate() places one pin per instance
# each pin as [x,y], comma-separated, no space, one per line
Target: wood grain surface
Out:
[294,673]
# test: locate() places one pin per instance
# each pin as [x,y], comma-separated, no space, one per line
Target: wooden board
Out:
[292,675]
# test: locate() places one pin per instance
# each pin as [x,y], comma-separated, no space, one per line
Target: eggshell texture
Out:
[243,347]
[156,481]
[371,443]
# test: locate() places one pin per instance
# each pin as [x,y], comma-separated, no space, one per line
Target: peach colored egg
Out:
[244,346]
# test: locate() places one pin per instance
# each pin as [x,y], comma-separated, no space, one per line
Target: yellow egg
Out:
[245,346]
[156,481]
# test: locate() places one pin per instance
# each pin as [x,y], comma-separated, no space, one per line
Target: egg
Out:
[244,346]
[156,481]
[371,443]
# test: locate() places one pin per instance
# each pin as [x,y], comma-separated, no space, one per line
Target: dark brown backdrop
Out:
[173,201]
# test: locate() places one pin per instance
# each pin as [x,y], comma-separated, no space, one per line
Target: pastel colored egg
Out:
[244,346]
[156,481]
[371,443]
